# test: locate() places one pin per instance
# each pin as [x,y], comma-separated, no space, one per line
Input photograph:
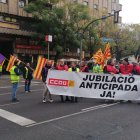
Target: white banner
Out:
[90,85]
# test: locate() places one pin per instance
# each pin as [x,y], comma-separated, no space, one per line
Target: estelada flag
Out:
[11,62]
[107,52]
[40,64]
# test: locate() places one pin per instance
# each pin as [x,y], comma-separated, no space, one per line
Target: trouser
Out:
[46,92]
[27,85]
[62,98]
[14,90]
[74,99]
[0,74]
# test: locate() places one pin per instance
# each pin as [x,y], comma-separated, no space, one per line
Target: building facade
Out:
[16,28]
[101,5]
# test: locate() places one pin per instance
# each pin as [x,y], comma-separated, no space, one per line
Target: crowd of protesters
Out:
[112,67]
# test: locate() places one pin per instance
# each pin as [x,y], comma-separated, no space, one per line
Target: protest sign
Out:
[90,85]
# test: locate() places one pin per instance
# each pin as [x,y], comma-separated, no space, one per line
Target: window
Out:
[1,18]
[75,1]
[114,1]
[9,19]
[22,3]
[85,3]
[105,3]
[3,1]
[95,6]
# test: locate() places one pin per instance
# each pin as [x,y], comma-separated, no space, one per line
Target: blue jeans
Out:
[14,90]
[27,85]
[0,74]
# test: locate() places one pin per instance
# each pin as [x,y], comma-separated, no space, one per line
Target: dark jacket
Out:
[28,74]
[45,73]
[17,70]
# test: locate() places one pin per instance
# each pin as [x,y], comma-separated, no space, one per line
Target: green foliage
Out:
[126,38]
[63,22]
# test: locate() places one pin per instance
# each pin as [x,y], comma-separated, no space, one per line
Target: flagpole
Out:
[48,50]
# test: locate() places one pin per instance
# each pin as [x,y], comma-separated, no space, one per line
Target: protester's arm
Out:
[43,75]
[17,71]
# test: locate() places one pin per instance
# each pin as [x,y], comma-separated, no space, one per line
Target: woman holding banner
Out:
[73,68]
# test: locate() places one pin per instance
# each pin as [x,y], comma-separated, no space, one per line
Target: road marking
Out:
[33,82]
[70,115]
[99,107]
[8,104]
[18,86]
[15,118]
[94,107]
[8,93]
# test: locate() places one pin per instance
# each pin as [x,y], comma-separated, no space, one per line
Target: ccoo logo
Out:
[61,82]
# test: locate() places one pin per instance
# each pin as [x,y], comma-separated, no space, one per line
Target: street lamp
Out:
[116,17]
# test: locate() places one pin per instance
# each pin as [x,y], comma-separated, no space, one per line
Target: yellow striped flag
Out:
[107,52]
[98,56]
[40,64]
[2,62]
[11,62]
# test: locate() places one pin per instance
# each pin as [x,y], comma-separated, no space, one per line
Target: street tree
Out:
[63,20]
[125,38]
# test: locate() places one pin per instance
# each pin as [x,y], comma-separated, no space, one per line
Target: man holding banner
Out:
[44,77]
[126,68]
[73,68]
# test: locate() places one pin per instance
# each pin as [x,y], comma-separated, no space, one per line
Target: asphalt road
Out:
[89,119]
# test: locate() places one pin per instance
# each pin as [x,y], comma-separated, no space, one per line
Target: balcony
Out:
[119,7]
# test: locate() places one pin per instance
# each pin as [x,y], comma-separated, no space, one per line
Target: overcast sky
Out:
[130,11]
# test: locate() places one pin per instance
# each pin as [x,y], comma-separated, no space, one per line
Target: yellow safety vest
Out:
[26,72]
[70,69]
[0,68]
[14,78]
[97,69]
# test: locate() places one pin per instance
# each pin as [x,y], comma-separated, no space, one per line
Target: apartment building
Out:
[99,5]
[16,28]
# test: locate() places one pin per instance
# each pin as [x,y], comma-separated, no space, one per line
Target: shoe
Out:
[44,101]
[67,99]
[29,91]
[26,91]
[50,100]
[121,101]
[129,101]
[62,101]
[15,100]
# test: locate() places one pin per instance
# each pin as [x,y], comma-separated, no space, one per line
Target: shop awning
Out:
[15,32]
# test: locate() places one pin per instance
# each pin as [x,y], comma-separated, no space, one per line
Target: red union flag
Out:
[48,38]
[58,82]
